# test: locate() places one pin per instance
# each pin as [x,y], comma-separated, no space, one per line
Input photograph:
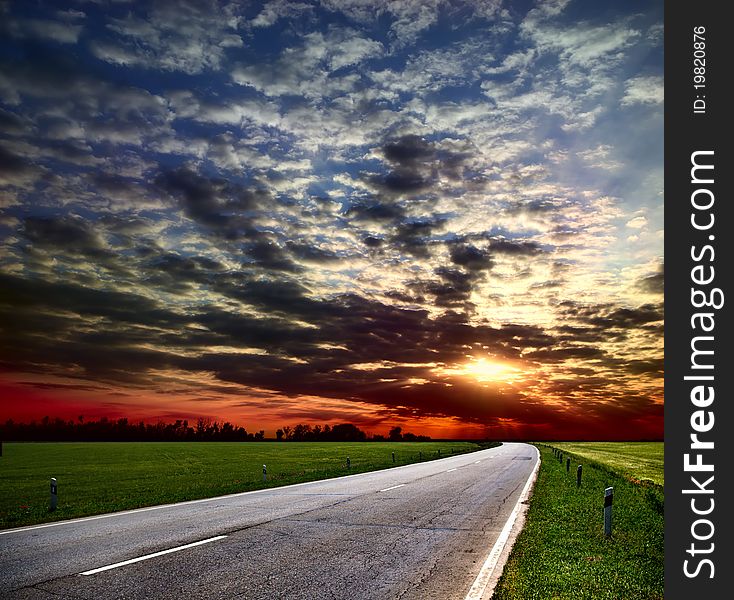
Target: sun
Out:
[484,370]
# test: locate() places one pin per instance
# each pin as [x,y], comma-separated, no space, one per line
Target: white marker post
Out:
[54,494]
[608,499]
[265,473]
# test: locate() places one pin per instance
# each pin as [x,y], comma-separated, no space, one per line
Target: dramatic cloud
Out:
[445,215]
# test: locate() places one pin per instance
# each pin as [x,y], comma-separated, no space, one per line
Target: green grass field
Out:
[562,552]
[639,460]
[96,478]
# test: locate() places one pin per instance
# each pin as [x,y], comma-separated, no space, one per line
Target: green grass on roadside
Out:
[96,478]
[562,552]
[639,460]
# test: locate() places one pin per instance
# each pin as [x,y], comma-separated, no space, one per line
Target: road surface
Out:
[416,532]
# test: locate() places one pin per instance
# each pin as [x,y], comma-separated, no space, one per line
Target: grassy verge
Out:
[96,478]
[562,552]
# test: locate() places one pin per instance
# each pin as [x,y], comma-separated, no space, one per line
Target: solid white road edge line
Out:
[216,498]
[393,487]
[148,556]
[476,592]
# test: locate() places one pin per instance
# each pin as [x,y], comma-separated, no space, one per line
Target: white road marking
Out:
[393,487]
[476,462]
[148,556]
[476,592]
[449,471]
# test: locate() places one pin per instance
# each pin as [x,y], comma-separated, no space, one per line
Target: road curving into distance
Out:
[418,532]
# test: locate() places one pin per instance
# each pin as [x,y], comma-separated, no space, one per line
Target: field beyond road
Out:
[638,460]
[101,477]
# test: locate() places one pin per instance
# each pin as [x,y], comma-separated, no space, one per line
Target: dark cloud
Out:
[416,166]
[538,206]
[118,306]
[15,169]
[178,274]
[12,124]
[623,317]
[401,182]
[408,150]
[116,186]
[654,283]
[211,201]
[270,255]
[222,207]
[70,235]
[413,237]
[127,225]
[404,297]
[453,288]
[372,241]
[376,211]
[471,258]
[513,248]
[654,367]
[566,353]
[548,285]
[309,253]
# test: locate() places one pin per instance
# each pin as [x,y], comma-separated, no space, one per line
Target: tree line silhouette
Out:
[204,430]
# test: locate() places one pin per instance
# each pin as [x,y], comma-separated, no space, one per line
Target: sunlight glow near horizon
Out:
[485,370]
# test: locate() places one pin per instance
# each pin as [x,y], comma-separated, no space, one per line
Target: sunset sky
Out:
[443,215]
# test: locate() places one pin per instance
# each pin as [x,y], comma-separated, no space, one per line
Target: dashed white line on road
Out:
[148,556]
[476,462]
[393,487]
[449,471]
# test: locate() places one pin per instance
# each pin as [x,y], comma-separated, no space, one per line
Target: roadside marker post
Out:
[608,499]
[578,476]
[420,455]
[439,451]
[265,473]
[393,457]
[54,494]
[568,465]
[349,463]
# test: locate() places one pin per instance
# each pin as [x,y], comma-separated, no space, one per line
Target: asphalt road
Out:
[415,532]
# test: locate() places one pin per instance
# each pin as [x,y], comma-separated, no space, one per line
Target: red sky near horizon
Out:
[450,221]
